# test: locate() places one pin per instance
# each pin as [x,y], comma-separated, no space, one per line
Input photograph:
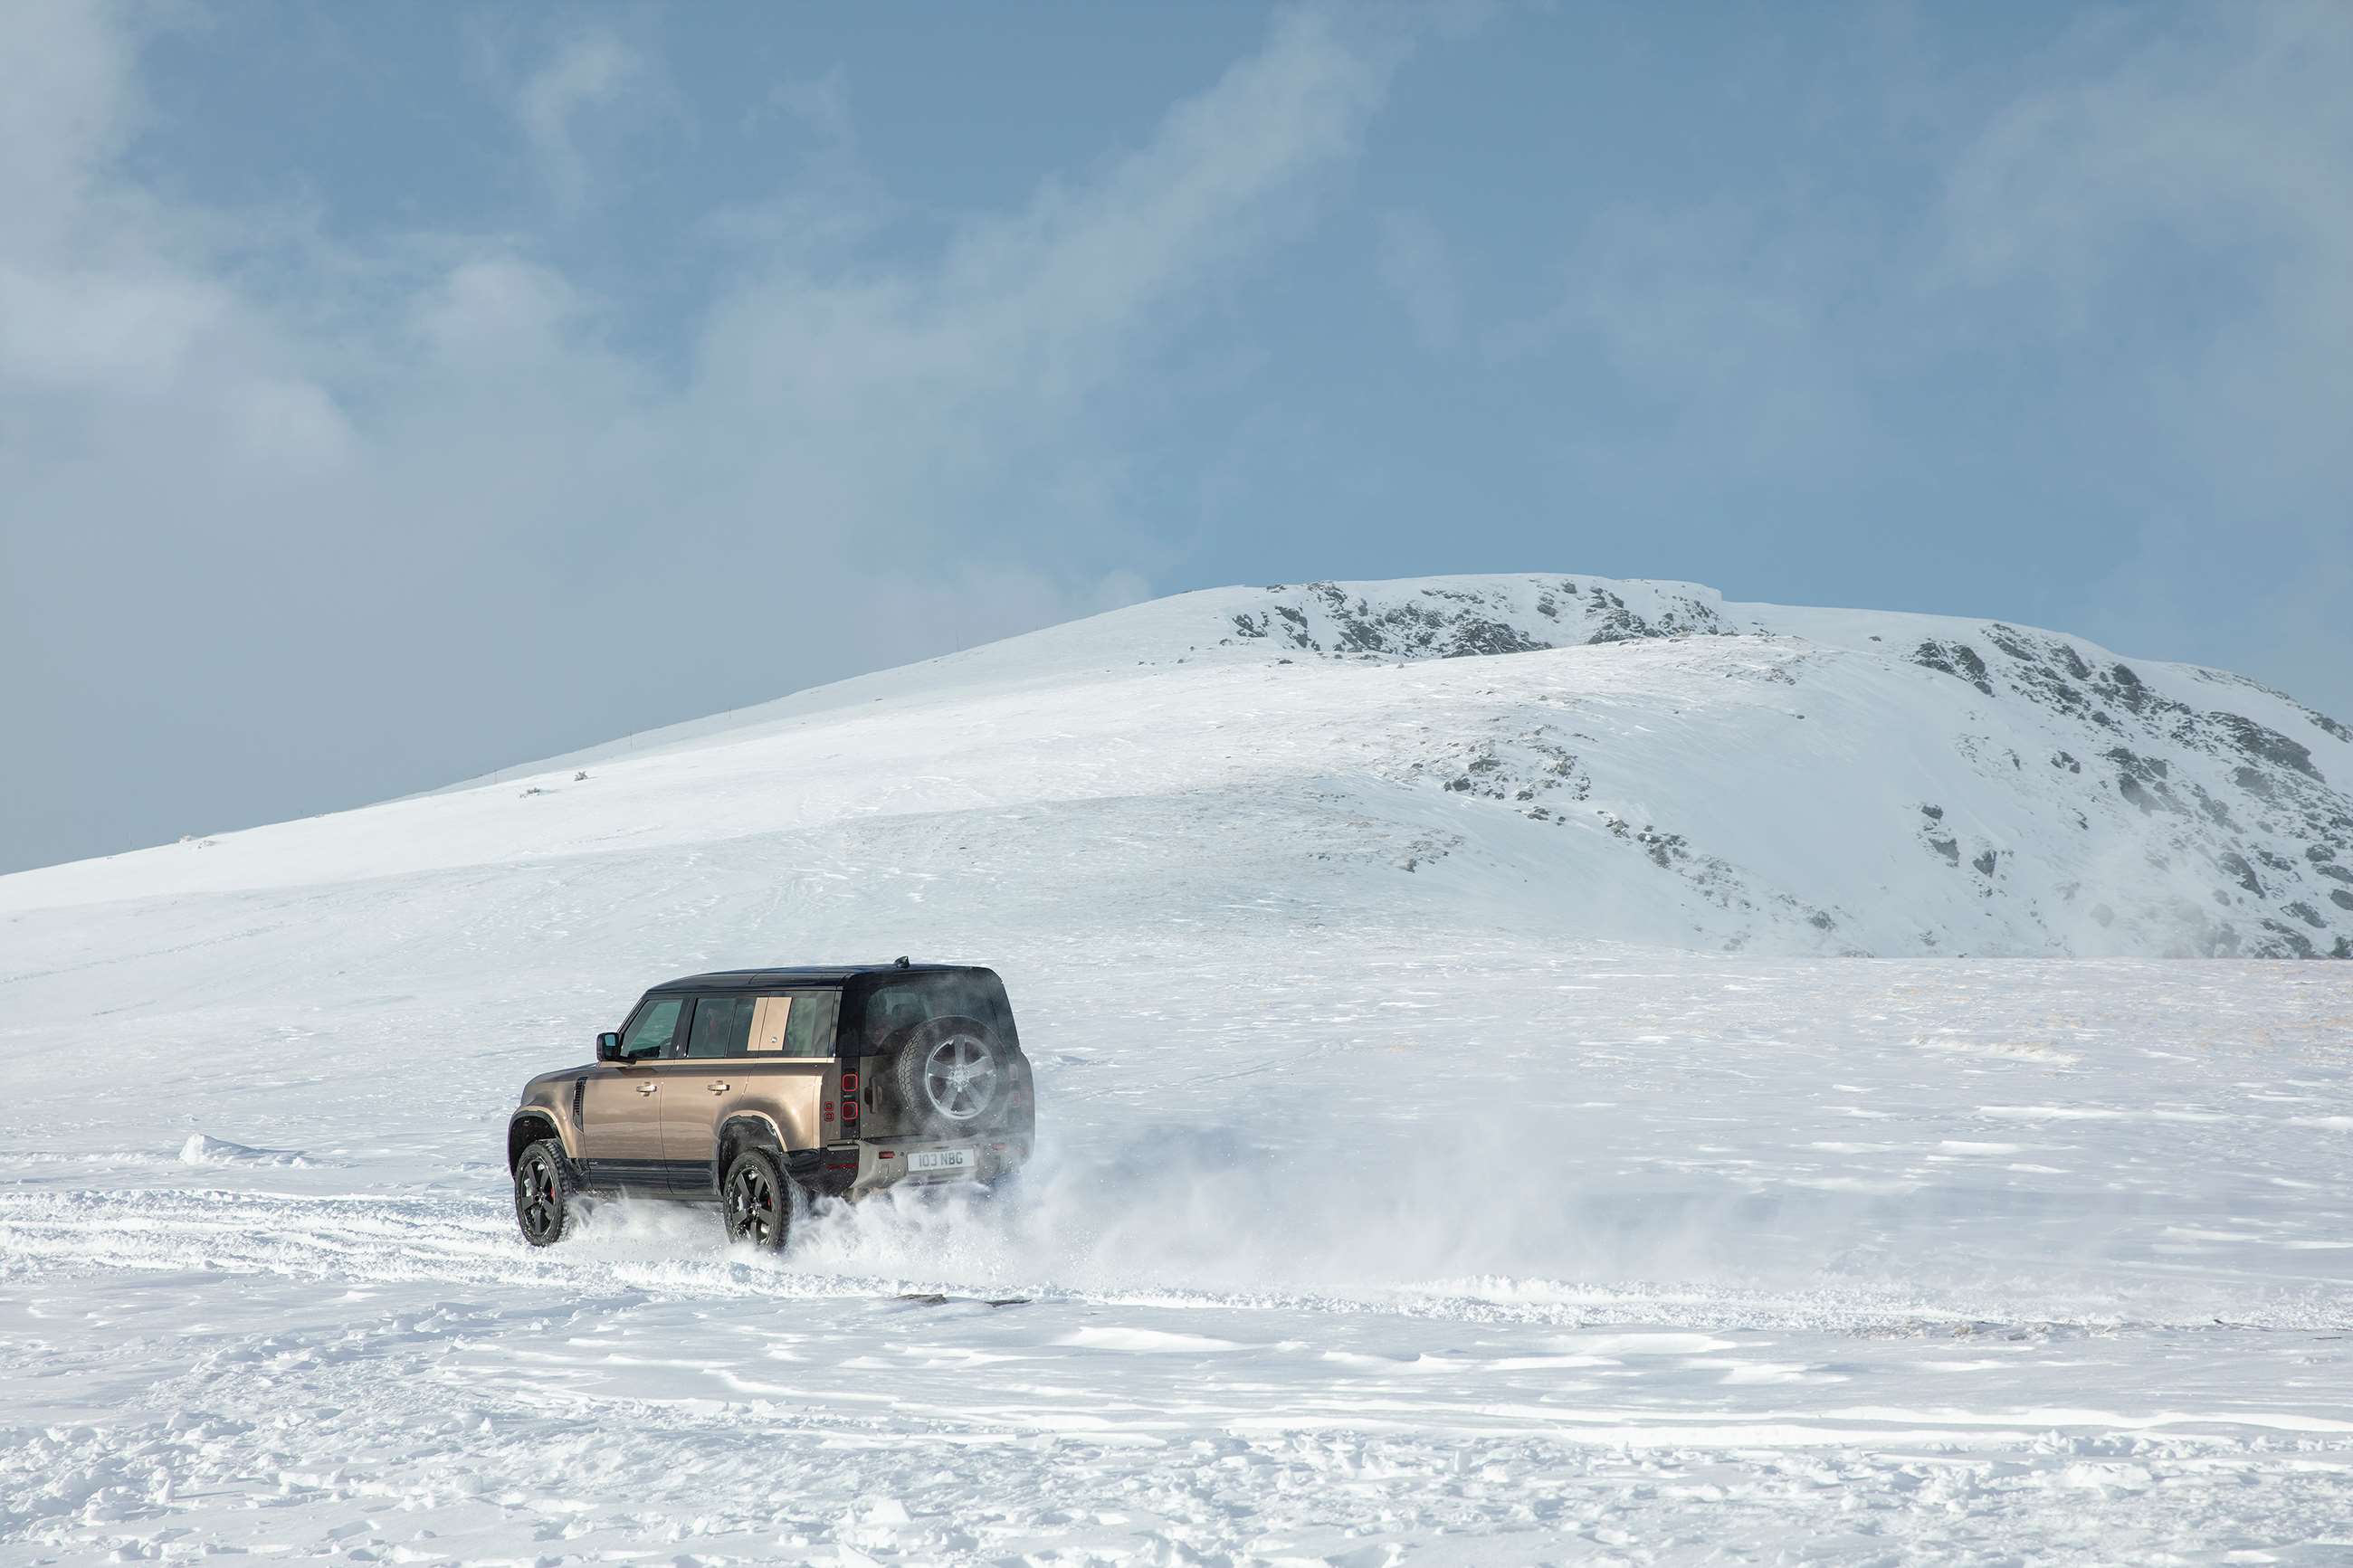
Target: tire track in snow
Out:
[657,1250]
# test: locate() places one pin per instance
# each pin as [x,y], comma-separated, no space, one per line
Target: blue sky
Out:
[389,394]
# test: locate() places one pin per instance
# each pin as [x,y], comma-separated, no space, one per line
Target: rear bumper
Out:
[855,1169]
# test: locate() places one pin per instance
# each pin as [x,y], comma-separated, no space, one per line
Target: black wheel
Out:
[951,1073]
[758,1201]
[546,1196]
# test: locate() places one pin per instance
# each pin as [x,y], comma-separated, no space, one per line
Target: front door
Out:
[620,1104]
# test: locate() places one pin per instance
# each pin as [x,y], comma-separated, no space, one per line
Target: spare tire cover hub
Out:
[959,1077]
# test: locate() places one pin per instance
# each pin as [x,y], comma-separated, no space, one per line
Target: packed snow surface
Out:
[1467,1137]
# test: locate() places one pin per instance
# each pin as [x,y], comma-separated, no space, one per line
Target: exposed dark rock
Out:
[2305,913]
[2340,897]
[2256,740]
[1933,813]
[2290,944]
[1958,660]
[1664,848]
[2143,781]
[1986,862]
[2127,687]
[1950,848]
[2062,760]
[2236,865]
[2216,812]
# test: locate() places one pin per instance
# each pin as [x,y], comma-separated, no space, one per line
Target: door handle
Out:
[648,1087]
[718,1086]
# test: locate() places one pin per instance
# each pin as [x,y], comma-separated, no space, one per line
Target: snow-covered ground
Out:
[1423,1178]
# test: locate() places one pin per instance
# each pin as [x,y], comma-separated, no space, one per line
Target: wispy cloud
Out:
[2155,205]
[2196,178]
[442,467]
[587,70]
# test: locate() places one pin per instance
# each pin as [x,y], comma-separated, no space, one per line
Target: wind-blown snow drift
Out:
[1573,755]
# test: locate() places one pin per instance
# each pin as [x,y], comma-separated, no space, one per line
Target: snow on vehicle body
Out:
[741,1088]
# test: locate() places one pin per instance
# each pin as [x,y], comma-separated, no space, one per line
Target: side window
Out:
[797,1024]
[648,1034]
[720,1027]
[809,1032]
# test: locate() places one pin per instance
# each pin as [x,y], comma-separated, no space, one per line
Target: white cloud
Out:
[1723,330]
[422,491]
[2155,208]
[2229,143]
[589,69]
[2184,193]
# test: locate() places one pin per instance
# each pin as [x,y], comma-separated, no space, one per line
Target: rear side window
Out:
[722,1026]
[884,1010]
[796,1024]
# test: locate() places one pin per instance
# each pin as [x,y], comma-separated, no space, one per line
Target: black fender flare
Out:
[745,1129]
[527,1126]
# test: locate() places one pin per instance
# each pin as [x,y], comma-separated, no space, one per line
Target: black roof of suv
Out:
[811,975]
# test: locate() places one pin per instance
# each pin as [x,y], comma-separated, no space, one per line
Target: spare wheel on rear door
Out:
[951,1073]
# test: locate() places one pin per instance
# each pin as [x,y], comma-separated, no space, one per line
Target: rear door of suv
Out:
[765,1055]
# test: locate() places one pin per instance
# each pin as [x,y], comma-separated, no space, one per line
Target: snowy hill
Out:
[1585,758]
[1463,1138]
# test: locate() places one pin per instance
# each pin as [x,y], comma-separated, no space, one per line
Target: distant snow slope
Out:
[1418,1181]
[1614,759]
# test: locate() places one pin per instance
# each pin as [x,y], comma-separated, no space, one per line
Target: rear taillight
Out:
[849,1097]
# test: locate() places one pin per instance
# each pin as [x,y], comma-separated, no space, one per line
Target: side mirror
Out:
[608,1046]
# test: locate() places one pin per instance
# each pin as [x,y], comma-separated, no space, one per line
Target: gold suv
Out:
[746,1088]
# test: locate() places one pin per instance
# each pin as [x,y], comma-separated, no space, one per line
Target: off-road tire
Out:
[546,1192]
[755,1201]
[927,1074]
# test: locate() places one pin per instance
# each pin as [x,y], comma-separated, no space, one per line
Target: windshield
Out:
[877,1014]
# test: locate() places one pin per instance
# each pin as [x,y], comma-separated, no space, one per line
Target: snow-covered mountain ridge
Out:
[1574,755]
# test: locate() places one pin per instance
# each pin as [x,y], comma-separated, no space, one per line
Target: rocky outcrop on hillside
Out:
[1465,618]
[2178,809]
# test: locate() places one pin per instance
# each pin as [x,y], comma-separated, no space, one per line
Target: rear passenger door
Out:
[767,1058]
[710,1051]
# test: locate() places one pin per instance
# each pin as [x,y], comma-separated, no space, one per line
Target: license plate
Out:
[924,1162]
